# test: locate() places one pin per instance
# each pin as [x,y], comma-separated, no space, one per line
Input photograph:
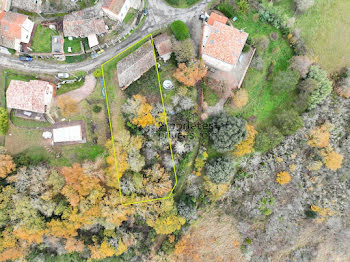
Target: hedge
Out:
[180,30]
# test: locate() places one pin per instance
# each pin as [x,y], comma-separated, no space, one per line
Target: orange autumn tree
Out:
[107,250]
[246,146]
[74,245]
[78,185]
[157,182]
[283,178]
[190,75]
[139,110]
[319,136]
[331,159]
[7,165]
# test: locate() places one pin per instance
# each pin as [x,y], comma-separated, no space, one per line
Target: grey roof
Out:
[135,65]
[83,23]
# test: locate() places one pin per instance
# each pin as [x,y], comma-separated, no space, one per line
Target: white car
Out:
[63,75]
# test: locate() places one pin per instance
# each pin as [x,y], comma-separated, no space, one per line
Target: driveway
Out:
[160,15]
[83,92]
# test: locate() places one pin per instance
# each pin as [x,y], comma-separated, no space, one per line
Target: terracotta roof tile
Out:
[225,43]
[28,96]
[113,5]
[10,24]
[215,17]
[163,44]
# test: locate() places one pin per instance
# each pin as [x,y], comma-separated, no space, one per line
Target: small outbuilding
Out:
[164,46]
[68,133]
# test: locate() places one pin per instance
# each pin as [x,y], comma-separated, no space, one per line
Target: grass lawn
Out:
[42,39]
[209,95]
[2,89]
[129,18]
[326,31]
[262,103]
[69,87]
[74,44]
[21,122]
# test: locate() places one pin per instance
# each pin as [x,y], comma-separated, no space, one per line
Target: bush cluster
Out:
[220,170]
[226,9]
[275,17]
[180,30]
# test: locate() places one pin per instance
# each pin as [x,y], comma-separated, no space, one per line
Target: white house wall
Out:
[26,31]
[218,64]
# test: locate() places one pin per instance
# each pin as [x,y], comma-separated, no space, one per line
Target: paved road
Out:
[160,15]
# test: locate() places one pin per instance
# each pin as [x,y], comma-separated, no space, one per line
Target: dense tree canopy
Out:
[220,170]
[226,132]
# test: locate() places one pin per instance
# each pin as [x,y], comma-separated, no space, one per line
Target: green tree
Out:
[226,9]
[288,122]
[4,119]
[267,138]
[220,170]
[180,30]
[226,132]
[323,89]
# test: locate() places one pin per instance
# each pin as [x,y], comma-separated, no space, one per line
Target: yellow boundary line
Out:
[166,123]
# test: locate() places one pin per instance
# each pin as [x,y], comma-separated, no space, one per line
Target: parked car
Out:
[101,51]
[63,75]
[25,58]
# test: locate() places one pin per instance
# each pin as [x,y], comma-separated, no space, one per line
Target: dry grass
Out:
[326,31]
[212,238]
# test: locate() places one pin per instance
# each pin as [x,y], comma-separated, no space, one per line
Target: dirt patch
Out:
[213,237]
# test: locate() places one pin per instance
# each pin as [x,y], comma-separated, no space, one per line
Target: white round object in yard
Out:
[47,135]
[167,84]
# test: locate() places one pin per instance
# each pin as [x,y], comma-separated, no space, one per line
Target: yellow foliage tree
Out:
[167,225]
[68,105]
[106,250]
[331,159]
[240,98]
[319,136]
[215,190]
[246,146]
[12,254]
[7,165]
[283,178]
[190,75]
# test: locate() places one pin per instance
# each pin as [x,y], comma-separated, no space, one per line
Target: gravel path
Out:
[83,92]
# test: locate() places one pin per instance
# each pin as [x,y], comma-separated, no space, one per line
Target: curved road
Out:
[160,15]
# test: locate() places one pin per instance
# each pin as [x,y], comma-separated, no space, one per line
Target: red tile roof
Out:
[10,24]
[225,43]
[28,96]
[215,17]
[113,5]
[163,44]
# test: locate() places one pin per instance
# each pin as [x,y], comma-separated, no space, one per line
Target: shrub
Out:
[180,30]
[97,73]
[226,9]
[184,50]
[332,159]
[68,105]
[246,146]
[240,98]
[261,43]
[4,119]
[267,139]
[285,81]
[303,5]
[243,6]
[12,51]
[273,16]
[257,63]
[220,170]
[283,178]
[226,132]
[301,64]
[343,86]
[323,89]
[96,109]
[288,122]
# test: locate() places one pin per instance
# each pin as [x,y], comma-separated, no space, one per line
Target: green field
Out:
[263,104]
[42,39]
[326,31]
